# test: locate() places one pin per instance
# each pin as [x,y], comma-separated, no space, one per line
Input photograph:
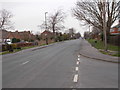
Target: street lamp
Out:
[45,21]
[46,39]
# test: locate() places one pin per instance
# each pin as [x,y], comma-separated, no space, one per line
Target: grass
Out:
[100,45]
[7,52]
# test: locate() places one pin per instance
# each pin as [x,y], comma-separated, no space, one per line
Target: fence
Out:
[115,40]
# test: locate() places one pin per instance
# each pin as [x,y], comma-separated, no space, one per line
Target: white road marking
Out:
[77,63]
[73,89]
[75,78]
[71,86]
[78,55]
[25,62]
[78,59]
[76,68]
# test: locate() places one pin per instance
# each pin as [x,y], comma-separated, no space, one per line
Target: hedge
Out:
[5,47]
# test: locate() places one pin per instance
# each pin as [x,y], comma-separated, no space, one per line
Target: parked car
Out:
[8,41]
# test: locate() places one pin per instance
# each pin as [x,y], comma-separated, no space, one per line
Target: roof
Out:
[47,32]
[117,26]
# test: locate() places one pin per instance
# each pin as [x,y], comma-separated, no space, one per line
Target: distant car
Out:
[8,41]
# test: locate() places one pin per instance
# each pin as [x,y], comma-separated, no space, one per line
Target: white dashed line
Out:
[78,55]
[76,68]
[25,62]
[77,63]
[75,78]
[71,86]
[78,59]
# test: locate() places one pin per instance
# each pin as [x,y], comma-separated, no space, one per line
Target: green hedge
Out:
[16,46]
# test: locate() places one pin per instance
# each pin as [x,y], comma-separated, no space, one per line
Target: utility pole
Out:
[104,24]
[46,28]
[45,21]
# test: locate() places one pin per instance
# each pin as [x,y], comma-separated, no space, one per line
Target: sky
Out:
[28,14]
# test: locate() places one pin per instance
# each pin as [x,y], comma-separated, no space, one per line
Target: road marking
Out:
[25,62]
[77,63]
[75,78]
[71,86]
[76,68]
[73,89]
[78,59]
[78,55]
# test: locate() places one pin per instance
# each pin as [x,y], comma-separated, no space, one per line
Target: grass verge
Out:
[112,49]
[17,50]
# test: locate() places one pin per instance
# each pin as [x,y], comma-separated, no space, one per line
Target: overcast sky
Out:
[28,14]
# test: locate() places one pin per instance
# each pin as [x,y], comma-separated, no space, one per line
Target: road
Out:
[57,66]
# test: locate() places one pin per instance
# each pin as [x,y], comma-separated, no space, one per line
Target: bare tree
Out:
[5,22]
[55,21]
[92,13]
[42,26]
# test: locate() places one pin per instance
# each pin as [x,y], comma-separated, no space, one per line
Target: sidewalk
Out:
[90,52]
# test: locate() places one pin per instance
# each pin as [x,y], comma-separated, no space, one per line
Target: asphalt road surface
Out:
[57,66]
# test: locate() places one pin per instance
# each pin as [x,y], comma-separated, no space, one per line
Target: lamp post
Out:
[45,21]
[46,39]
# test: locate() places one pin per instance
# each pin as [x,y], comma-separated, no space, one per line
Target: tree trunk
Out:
[53,27]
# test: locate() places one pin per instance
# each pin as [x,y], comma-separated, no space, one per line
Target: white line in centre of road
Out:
[75,78]
[78,55]
[25,62]
[78,59]
[76,68]
[77,63]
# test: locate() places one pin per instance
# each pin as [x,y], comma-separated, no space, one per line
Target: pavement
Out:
[90,52]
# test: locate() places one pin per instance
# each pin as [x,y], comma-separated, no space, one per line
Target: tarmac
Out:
[90,52]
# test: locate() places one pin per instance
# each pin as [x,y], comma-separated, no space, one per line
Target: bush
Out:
[10,48]
[14,46]
[14,40]
[24,44]
[4,48]
[60,38]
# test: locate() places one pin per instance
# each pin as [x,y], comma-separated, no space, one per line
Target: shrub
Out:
[4,48]
[14,46]
[14,40]
[24,44]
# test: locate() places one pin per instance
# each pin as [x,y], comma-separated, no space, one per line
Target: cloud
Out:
[28,14]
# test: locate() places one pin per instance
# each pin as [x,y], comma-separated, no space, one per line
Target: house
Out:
[25,35]
[115,34]
[47,37]
[12,35]
[115,30]
[47,34]
[3,35]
